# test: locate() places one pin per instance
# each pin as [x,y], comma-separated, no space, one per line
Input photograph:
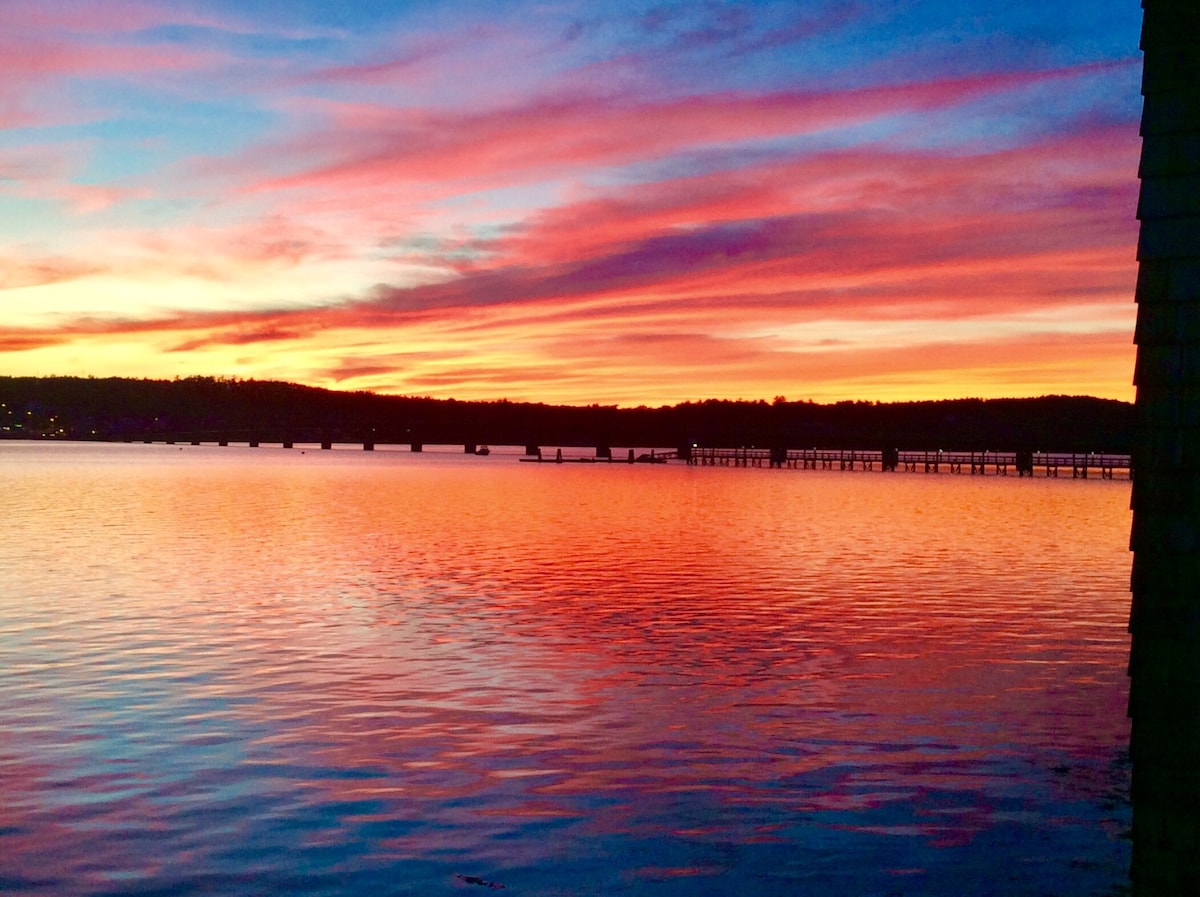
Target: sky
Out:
[573,202]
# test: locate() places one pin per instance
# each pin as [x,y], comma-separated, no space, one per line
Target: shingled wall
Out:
[1165,618]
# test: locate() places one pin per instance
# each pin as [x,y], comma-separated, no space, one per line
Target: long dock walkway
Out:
[1079,465]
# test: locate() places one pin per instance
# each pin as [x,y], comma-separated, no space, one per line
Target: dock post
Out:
[631,458]
[558,459]
[1024,464]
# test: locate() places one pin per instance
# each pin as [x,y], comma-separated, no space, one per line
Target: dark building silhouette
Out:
[1165,618]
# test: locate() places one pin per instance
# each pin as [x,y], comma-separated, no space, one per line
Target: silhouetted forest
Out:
[209,408]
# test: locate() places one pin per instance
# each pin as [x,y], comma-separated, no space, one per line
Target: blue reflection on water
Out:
[341,676]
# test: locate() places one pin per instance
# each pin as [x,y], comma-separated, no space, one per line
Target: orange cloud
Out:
[521,239]
[28,272]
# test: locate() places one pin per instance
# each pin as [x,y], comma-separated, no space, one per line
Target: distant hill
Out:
[207,408]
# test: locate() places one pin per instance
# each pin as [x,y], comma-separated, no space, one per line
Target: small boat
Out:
[483,450]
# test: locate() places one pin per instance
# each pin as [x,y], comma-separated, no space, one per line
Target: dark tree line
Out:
[207,408]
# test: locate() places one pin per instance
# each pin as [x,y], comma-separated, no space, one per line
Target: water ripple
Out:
[255,671]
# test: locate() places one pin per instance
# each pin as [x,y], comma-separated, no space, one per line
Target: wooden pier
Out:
[1079,465]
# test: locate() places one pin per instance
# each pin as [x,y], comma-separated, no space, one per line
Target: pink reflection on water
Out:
[428,658]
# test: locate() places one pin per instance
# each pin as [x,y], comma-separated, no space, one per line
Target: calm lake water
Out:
[262,671]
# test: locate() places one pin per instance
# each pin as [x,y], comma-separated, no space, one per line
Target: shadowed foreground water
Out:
[259,671]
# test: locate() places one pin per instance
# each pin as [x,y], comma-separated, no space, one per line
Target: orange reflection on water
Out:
[438,655]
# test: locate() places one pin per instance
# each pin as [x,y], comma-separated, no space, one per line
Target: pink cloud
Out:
[16,272]
[552,135]
[41,44]
[273,241]
[657,270]
[866,236]
[92,16]
[45,171]
[30,59]
[893,257]
[1078,169]
[420,59]
[949,259]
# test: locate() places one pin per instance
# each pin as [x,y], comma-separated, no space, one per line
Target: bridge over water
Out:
[1079,465]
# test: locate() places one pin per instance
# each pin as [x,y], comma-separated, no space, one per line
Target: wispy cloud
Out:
[549,136]
[600,205]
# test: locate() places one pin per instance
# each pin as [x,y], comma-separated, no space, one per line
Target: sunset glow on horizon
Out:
[629,203]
